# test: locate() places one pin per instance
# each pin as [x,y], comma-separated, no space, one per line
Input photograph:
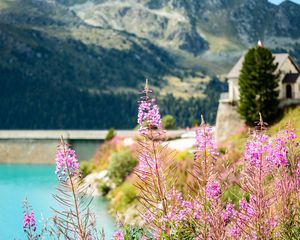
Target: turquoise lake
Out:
[37,183]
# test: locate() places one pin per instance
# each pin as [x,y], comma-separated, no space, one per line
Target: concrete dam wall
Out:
[40,146]
[28,151]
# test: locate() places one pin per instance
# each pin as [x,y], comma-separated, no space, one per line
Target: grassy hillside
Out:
[236,142]
[291,116]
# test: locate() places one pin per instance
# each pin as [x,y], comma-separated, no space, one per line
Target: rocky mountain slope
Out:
[102,51]
[197,27]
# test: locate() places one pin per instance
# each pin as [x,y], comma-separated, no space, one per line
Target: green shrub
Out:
[128,194]
[184,155]
[122,196]
[110,134]
[168,122]
[86,168]
[104,189]
[222,150]
[120,166]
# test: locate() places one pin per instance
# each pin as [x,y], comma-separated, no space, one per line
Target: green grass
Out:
[292,116]
[122,196]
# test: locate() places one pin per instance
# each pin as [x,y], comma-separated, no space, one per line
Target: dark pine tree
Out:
[258,85]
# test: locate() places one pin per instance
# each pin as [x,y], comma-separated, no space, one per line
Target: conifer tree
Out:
[258,84]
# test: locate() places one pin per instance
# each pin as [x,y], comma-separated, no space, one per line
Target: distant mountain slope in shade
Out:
[73,63]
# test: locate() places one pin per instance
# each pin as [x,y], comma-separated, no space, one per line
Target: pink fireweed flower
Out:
[178,208]
[186,211]
[197,214]
[148,217]
[228,213]
[241,219]
[146,165]
[66,162]
[197,210]
[298,169]
[271,223]
[89,237]
[255,148]
[118,235]
[245,212]
[205,142]
[174,195]
[149,117]
[290,134]
[29,222]
[235,232]
[250,208]
[247,208]
[277,152]
[213,190]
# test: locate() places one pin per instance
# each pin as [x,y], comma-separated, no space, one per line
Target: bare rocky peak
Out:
[180,25]
[165,23]
[176,25]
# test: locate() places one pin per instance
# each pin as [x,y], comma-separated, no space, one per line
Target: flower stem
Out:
[81,231]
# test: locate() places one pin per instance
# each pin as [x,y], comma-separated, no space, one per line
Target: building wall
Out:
[297,88]
[233,87]
[228,121]
[286,67]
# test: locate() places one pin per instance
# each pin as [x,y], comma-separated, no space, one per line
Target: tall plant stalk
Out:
[154,168]
[74,220]
[207,189]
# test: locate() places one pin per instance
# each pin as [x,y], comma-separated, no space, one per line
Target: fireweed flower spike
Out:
[74,220]
[155,169]
[66,162]
[228,213]
[287,184]
[255,148]
[205,142]
[213,190]
[209,223]
[29,222]
[261,158]
[277,152]
[148,115]
[118,235]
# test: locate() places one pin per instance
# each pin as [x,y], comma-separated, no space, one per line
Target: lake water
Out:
[37,183]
